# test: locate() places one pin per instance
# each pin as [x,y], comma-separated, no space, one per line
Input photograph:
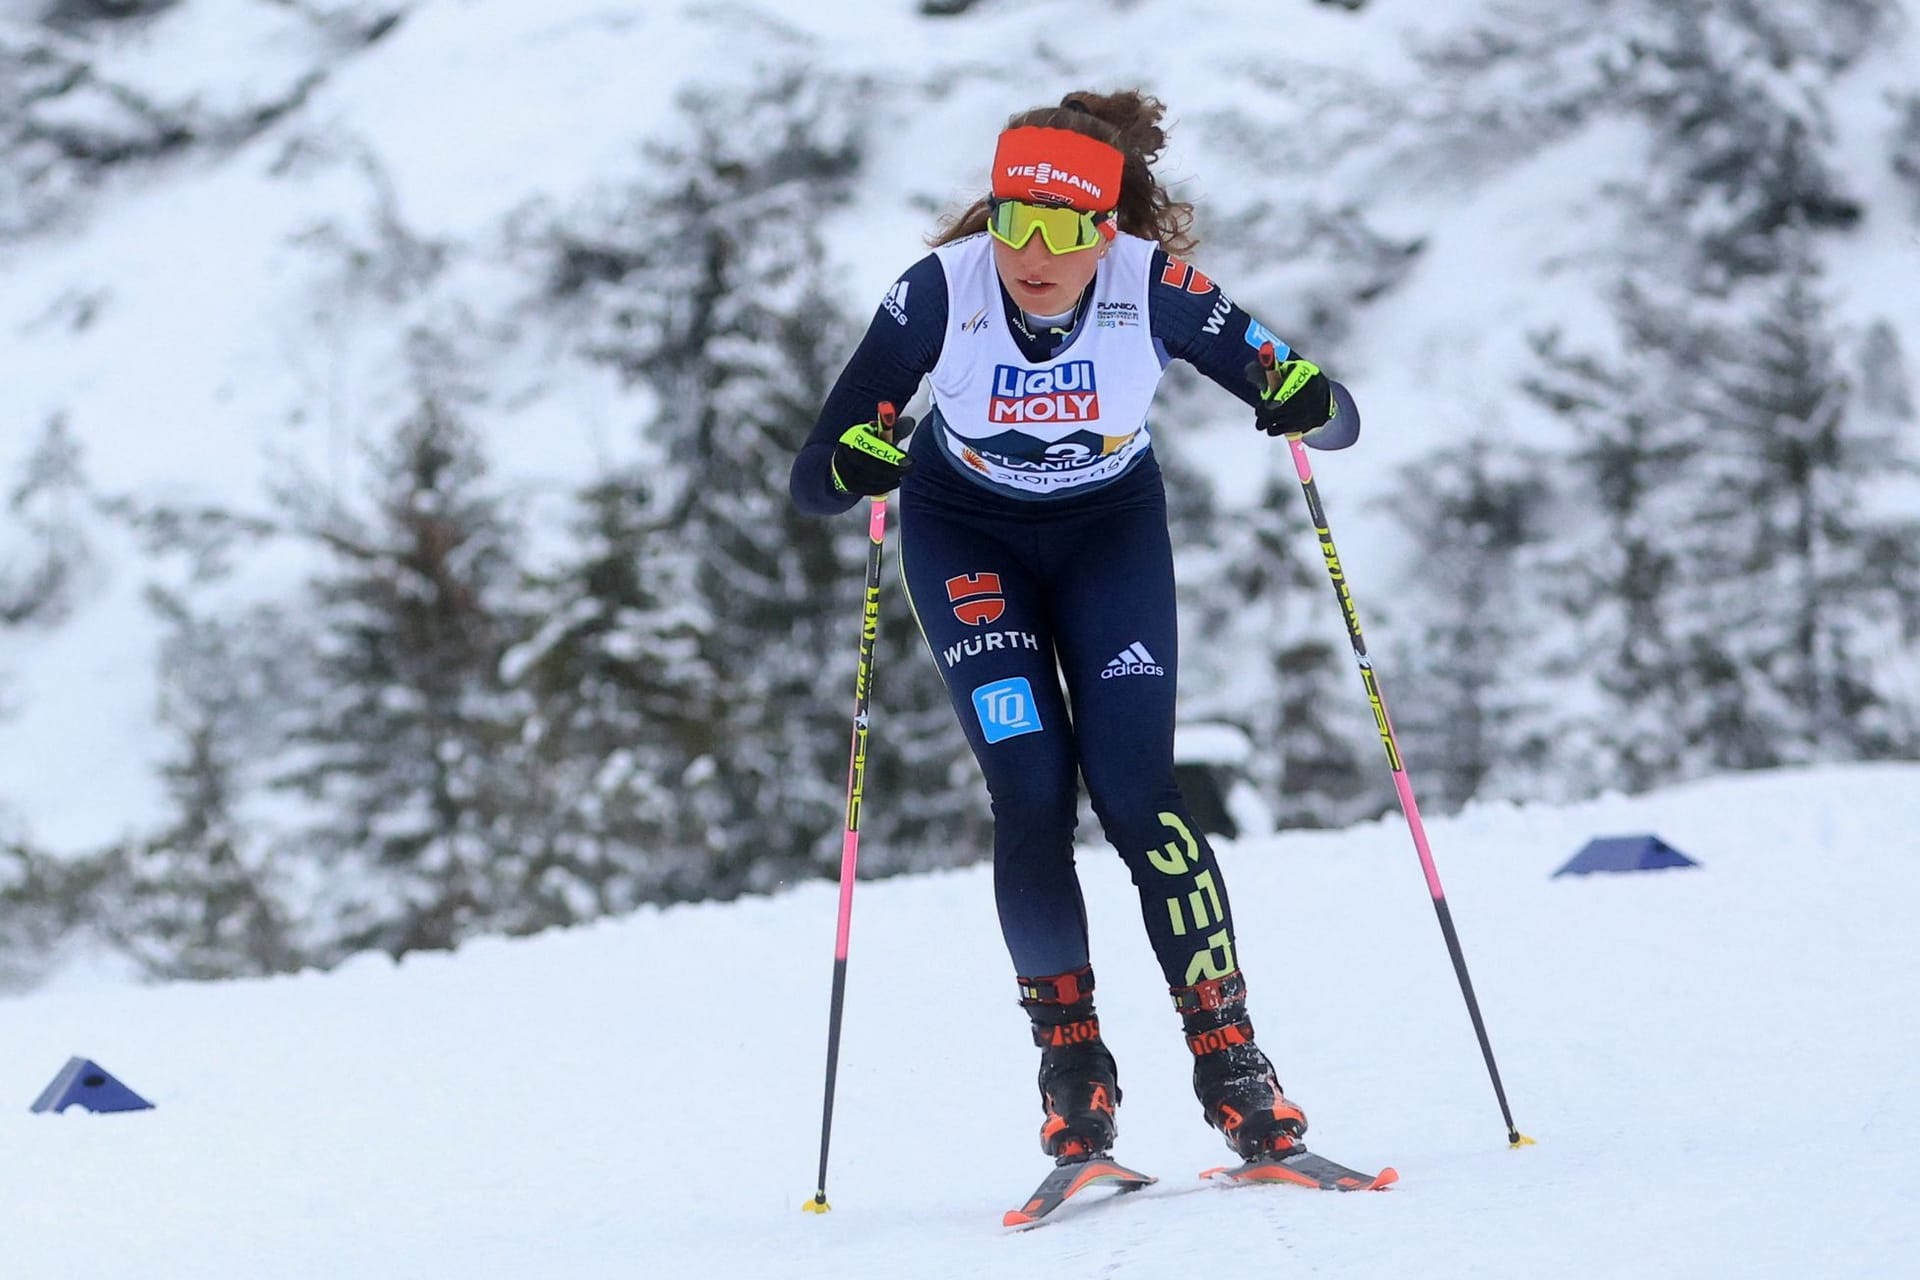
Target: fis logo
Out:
[1064,393]
[975,323]
[1134,660]
[976,598]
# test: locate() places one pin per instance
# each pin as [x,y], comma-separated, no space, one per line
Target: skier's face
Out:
[1042,282]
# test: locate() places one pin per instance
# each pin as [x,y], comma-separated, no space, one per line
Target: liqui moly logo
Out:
[1064,393]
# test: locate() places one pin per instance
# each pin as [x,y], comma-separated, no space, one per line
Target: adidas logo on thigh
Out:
[1134,660]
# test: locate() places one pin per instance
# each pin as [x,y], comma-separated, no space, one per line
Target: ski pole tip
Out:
[817,1205]
[1517,1140]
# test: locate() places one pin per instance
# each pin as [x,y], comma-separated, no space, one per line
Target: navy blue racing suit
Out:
[1052,620]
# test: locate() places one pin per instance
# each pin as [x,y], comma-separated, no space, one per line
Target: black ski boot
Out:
[1234,1081]
[1079,1086]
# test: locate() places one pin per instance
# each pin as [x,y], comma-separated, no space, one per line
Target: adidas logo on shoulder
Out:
[1134,660]
[896,301]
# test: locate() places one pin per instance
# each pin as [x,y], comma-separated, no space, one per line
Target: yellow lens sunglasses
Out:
[1065,230]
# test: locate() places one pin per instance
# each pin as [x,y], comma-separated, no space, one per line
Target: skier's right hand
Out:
[866,462]
[1295,397]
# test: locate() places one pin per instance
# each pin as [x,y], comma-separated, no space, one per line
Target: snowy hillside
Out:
[234,312]
[1716,1062]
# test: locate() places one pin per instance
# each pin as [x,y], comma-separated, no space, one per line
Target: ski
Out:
[1302,1168]
[1069,1180]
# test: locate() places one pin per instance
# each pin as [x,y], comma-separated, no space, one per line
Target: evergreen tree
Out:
[1737,596]
[721,303]
[1273,661]
[45,554]
[1733,90]
[1795,565]
[604,675]
[47,504]
[197,900]
[34,919]
[1472,706]
[406,743]
[1661,569]
[1616,570]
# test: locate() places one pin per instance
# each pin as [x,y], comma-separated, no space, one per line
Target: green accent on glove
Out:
[860,436]
[1295,374]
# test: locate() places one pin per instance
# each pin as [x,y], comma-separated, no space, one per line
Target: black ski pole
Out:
[1401,783]
[856,791]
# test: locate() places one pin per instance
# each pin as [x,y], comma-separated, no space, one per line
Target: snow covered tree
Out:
[1471,713]
[1270,658]
[1736,591]
[605,673]
[47,504]
[1616,567]
[82,96]
[1531,73]
[1797,568]
[34,915]
[721,303]
[1734,91]
[427,816]
[45,553]
[198,899]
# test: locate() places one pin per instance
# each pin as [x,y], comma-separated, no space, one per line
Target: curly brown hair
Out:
[1130,121]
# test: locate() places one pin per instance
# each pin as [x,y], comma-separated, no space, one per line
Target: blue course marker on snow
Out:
[85,1083]
[1625,853]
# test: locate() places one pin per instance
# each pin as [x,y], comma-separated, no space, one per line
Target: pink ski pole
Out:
[1402,785]
[856,790]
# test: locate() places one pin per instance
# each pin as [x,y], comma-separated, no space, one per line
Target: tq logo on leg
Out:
[1006,709]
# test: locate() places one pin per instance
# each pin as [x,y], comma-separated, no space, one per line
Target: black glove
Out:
[865,462]
[1295,397]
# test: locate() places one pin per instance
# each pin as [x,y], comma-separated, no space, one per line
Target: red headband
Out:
[1057,166]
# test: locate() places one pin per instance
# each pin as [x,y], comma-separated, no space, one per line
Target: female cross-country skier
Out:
[1034,545]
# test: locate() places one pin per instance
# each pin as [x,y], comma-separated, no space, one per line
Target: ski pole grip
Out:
[1268,361]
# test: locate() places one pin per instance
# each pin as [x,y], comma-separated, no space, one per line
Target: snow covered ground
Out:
[1717,1064]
